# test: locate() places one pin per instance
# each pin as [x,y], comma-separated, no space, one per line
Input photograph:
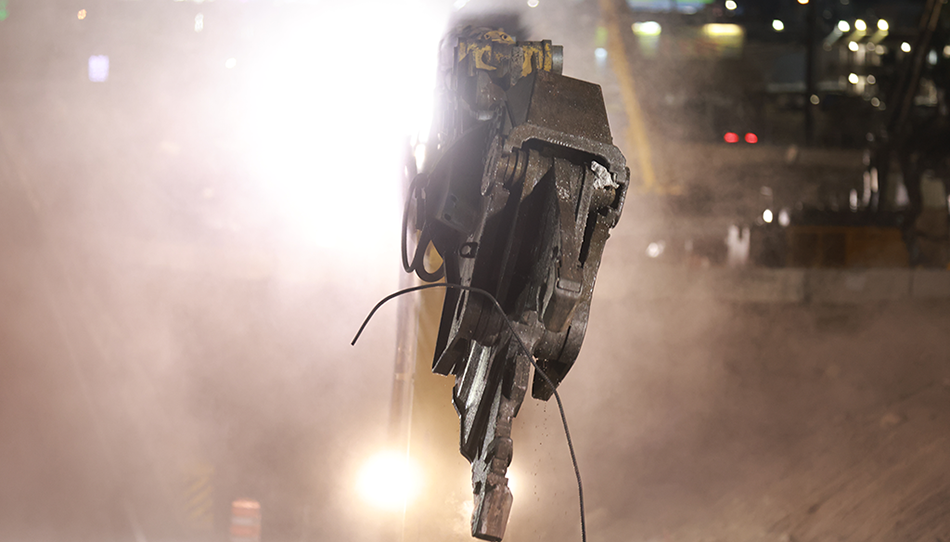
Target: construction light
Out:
[720,29]
[98,68]
[647,28]
[389,480]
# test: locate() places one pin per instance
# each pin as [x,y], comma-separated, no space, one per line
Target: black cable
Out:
[524,348]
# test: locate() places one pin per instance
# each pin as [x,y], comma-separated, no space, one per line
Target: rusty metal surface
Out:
[521,189]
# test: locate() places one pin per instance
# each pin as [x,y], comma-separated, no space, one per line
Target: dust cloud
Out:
[189,246]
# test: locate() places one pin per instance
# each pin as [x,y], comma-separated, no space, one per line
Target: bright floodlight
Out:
[731,5]
[905,47]
[767,216]
[853,79]
[778,25]
[882,25]
[844,26]
[389,481]
[860,25]
[654,250]
[853,46]
[722,29]
[783,218]
[98,68]
[647,28]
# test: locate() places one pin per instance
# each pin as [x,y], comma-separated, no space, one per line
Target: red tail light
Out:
[751,138]
[732,137]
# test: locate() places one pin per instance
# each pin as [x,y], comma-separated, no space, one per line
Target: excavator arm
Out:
[521,187]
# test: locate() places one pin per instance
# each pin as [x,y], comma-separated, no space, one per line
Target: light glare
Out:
[292,116]
[533,3]
[783,218]
[647,28]
[882,25]
[853,46]
[767,216]
[844,26]
[905,47]
[81,15]
[778,25]
[720,29]
[389,480]
[731,5]
[853,78]
[860,25]
[98,68]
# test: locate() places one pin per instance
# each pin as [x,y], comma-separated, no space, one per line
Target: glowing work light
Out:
[98,68]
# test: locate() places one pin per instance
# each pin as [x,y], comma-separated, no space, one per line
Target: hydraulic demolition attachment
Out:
[520,188]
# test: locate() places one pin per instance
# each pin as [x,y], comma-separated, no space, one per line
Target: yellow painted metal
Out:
[636,130]
[443,511]
[198,496]
[424,422]
[478,51]
[498,35]
[537,55]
